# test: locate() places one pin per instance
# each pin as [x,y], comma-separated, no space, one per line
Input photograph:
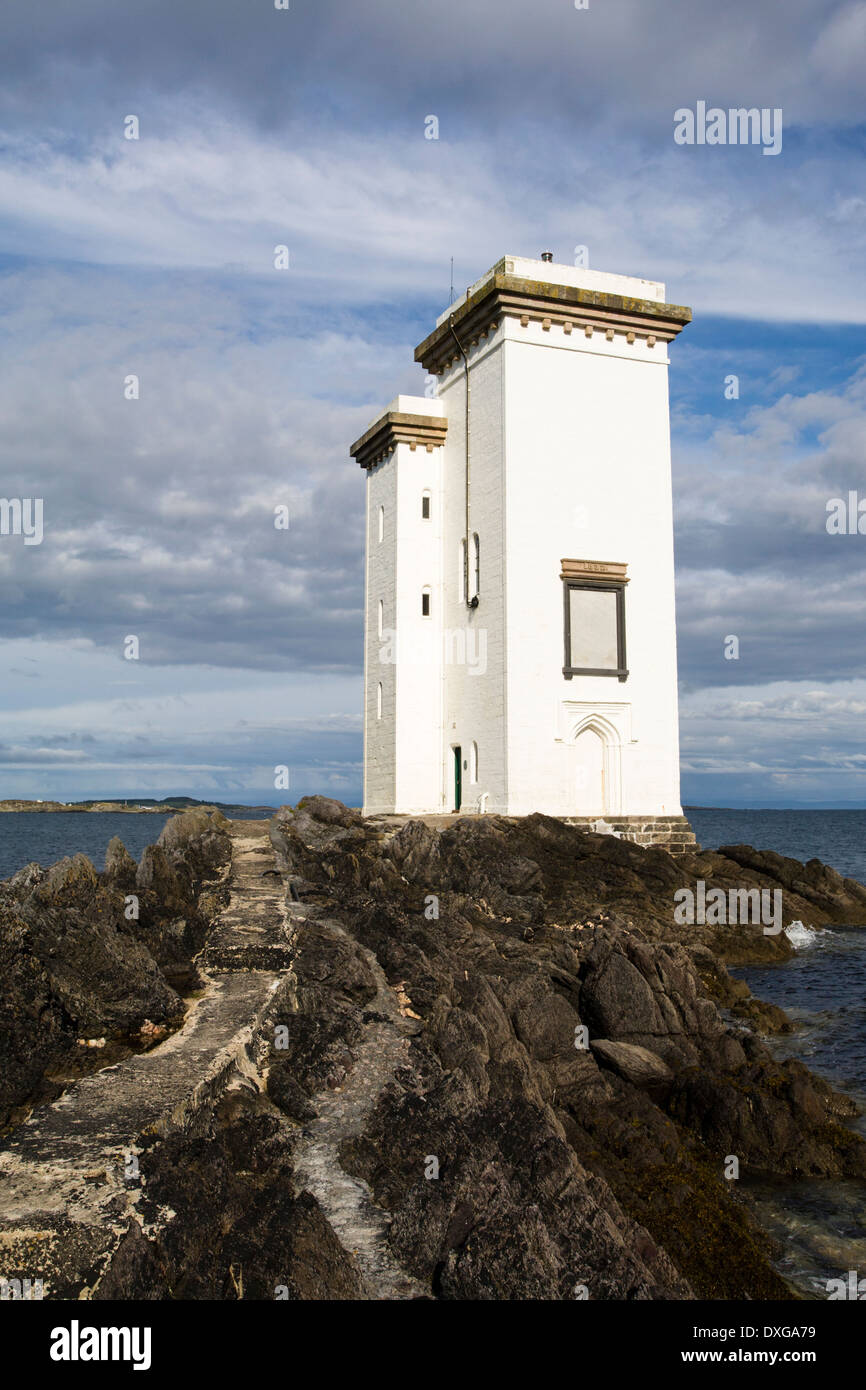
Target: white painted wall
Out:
[379,734]
[474,688]
[402,766]
[419,639]
[588,477]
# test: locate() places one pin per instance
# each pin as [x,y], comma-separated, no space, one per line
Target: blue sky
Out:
[305,127]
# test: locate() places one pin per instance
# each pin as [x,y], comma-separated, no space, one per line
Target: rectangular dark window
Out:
[594,629]
[425,507]
[425,605]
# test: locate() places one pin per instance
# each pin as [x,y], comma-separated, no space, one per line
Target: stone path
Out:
[253,931]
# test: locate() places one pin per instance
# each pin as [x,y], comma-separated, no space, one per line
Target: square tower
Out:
[520,644]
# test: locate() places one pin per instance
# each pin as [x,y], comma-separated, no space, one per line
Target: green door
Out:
[458,778]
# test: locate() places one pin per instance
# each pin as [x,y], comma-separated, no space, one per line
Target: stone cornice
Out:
[567,305]
[395,428]
[599,570]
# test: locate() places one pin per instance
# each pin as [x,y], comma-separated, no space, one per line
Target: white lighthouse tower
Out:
[520,645]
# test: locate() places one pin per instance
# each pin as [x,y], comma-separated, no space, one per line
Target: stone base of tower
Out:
[672,833]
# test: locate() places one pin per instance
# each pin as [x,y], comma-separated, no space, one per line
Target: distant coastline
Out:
[132,806]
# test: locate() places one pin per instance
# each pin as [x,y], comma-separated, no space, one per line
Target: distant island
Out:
[133,805]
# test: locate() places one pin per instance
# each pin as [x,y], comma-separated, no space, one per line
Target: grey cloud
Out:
[51,757]
[493,58]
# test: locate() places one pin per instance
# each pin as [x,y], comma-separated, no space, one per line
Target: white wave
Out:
[800,937]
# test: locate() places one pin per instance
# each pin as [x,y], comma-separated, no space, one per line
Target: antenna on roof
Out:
[451,300]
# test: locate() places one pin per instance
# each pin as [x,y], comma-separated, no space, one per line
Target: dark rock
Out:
[78,963]
[762,1016]
[36,1031]
[637,1065]
[104,979]
[552,1171]
[285,1092]
[314,823]
[198,840]
[265,1244]
[28,877]
[328,955]
[156,874]
[120,867]
[327,810]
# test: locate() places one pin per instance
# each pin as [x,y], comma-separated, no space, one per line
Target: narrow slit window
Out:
[381,523]
[381,617]
[379,700]
[425,506]
[425,603]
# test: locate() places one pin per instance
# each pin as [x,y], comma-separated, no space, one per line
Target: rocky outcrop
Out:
[268,1242]
[99,958]
[171,1174]
[481,1061]
[827,893]
[572,1077]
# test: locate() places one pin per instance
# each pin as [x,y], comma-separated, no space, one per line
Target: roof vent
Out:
[547,255]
